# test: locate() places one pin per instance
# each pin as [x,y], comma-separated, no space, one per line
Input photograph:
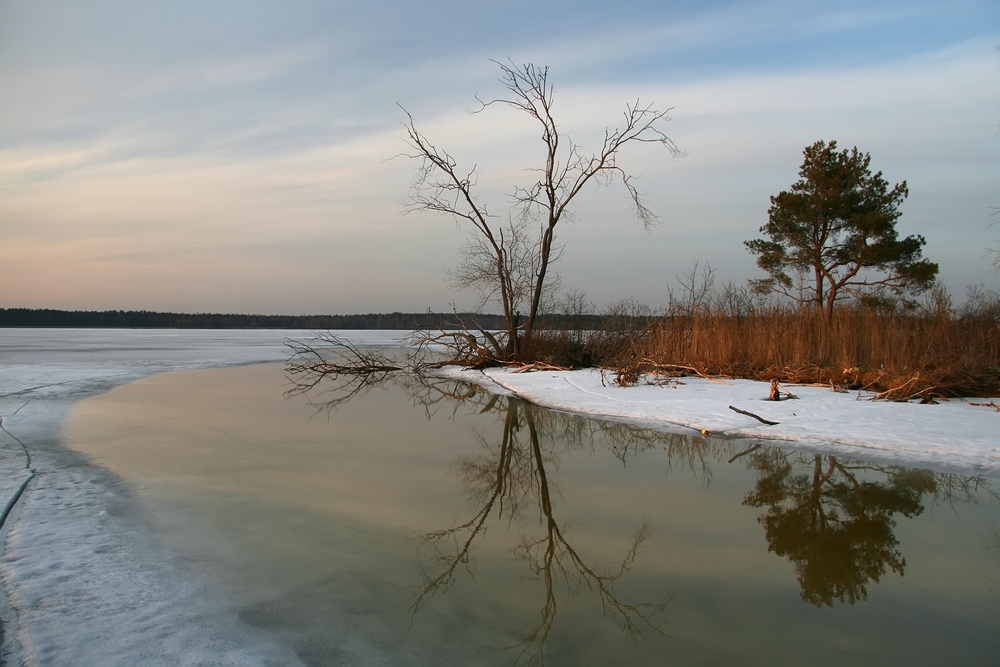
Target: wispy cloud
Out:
[198,149]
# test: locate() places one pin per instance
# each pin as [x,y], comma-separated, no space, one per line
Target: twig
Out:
[750,414]
[889,392]
[991,404]
[657,367]
[537,366]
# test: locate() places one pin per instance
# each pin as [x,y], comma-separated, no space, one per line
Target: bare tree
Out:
[696,289]
[501,254]
[477,268]
[993,253]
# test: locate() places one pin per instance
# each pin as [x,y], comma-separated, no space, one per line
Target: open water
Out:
[427,522]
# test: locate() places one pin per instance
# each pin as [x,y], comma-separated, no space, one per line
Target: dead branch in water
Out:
[350,369]
[460,348]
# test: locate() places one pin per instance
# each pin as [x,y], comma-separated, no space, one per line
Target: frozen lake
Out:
[201,517]
[84,582]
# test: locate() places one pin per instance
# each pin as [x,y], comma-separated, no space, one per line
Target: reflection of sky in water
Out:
[315,526]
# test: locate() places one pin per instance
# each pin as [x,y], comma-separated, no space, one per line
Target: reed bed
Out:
[896,356]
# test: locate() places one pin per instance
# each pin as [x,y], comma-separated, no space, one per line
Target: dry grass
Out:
[900,357]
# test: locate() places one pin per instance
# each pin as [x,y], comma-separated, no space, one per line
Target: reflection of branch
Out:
[434,392]
[994,583]
[499,484]
[836,523]
[952,488]
[746,451]
[518,471]
[553,558]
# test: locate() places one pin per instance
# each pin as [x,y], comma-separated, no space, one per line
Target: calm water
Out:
[431,523]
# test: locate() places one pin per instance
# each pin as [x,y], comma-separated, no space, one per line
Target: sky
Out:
[216,156]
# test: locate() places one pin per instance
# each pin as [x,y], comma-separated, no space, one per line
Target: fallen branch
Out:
[536,366]
[750,414]
[350,369]
[694,370]
[898,393]
[462,348]
[629,374]
[991,404]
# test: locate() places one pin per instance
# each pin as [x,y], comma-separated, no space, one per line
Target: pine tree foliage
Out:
[835,232]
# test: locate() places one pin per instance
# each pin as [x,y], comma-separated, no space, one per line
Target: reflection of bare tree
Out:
[437,394]
[626,441]
[501,483]
[953,489]
[835,519]
[993,582]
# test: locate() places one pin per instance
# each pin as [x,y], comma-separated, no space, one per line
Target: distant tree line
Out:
[144,319]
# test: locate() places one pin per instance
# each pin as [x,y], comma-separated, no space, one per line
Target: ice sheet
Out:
[84,583]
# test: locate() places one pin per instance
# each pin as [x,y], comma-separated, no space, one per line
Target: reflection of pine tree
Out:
[833,521]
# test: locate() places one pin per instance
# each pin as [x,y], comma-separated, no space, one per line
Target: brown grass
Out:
[900,357]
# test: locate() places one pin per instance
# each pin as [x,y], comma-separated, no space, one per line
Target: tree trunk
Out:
[536,297]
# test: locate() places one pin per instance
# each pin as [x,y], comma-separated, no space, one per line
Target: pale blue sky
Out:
[234,156]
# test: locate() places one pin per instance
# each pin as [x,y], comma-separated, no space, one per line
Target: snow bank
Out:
[952,436]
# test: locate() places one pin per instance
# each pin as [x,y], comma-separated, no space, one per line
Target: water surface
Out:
[431,523]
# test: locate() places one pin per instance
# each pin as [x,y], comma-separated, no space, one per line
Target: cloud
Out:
[251,151]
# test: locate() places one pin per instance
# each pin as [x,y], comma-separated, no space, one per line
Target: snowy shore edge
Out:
[85,585]
[951,436]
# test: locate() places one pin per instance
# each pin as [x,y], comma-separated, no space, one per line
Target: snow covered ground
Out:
[951,436]
[130,606]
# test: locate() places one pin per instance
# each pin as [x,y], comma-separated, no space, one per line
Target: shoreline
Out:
[73,535]
[73,524]
[952,436]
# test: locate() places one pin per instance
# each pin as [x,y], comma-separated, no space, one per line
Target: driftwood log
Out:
[757,417]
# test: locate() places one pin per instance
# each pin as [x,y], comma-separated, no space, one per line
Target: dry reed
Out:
[898,357]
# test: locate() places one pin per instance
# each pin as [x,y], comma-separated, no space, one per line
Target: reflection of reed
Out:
[502,482]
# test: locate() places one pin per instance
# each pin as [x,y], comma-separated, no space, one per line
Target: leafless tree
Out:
[696,288]
[502,256]
[477,268]
[993,253]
